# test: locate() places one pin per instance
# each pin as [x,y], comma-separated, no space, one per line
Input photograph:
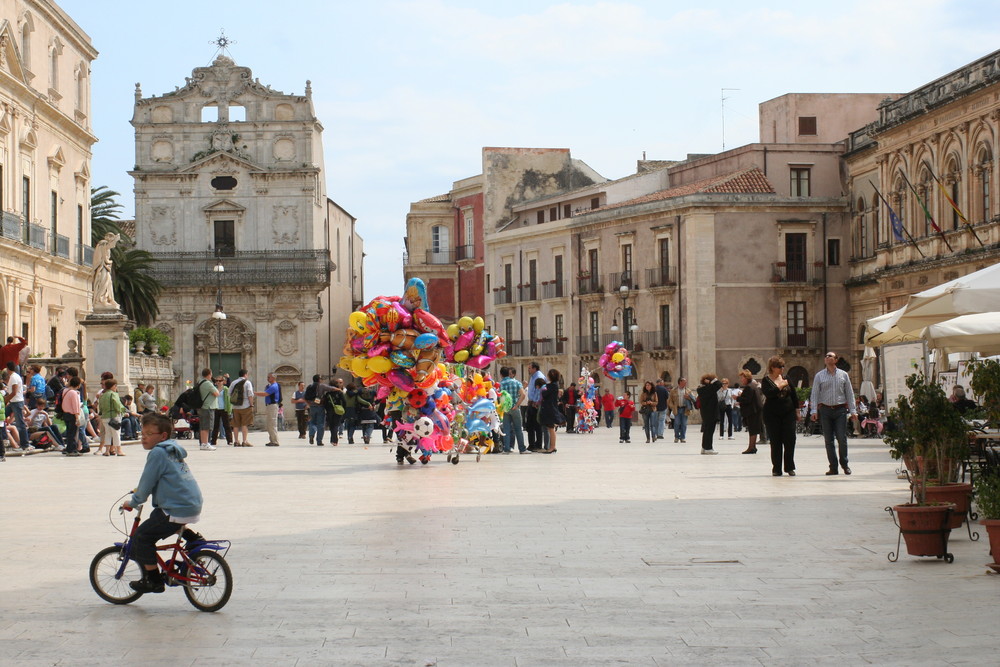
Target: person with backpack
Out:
[367,418]
[241,396]
[315,398]
[209,395]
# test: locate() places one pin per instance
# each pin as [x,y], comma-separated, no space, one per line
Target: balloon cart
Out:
[477,443]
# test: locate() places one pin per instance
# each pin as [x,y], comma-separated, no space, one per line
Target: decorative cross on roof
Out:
[222,42]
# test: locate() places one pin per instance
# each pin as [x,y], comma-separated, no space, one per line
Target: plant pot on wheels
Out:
[993,530]
[925,529]
[959,495]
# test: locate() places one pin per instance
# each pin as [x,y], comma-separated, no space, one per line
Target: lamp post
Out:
[219,313]
[624,291]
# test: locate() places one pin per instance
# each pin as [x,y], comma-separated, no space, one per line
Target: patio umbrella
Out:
[883,329]
[978,292]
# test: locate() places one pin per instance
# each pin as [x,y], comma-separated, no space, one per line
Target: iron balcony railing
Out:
[62,246]
[792,272]
[502,296]
[650,341]
[634,341]
[661,276]
[84,255]
[440,257]
[36,236]
[248,267]
[589,284]
[527,293]
[11,226]
[629,278]
[798,337]
[555,289]
[465,252]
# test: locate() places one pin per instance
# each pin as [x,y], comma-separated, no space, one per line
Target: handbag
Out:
[338,409]
[115,423]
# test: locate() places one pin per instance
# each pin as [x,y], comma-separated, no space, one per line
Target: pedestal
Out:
[107,340]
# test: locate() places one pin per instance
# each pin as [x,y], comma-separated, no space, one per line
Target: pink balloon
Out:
[480,361]
[380,350]
[402,379]
[464,340]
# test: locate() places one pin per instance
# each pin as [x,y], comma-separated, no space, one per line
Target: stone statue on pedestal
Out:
[104,293]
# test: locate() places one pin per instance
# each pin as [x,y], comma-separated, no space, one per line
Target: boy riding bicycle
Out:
[176,498]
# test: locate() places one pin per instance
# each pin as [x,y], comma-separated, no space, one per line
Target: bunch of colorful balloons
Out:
[472,345]
[615,361]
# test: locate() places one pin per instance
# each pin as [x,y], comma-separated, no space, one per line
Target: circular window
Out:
[224,183]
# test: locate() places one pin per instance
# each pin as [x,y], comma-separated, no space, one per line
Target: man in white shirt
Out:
[242,395]
[832,399]
[15,402]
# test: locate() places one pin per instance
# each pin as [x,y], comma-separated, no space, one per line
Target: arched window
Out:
[863,241]
[923,186]
[26,43]
[881,235]
[953,179]
[984,171]
[81,87]
[898,202]
[54,52]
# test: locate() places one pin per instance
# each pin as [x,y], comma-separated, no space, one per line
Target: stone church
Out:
[231,200]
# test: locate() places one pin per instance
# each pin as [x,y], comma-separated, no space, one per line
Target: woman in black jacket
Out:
[781,410]
[708,405]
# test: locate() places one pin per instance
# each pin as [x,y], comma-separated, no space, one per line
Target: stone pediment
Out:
[224,206]
[219,159]
[10,56]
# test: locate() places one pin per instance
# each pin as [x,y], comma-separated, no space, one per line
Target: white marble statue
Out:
[104,293]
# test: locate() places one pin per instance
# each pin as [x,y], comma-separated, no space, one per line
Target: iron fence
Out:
[249,267]
[11,226]
[661,276]
[798,337]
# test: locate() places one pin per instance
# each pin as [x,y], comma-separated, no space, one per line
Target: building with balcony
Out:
[231,201]
[45,151]
[935,146]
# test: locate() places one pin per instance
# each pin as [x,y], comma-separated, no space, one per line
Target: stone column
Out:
[107,340]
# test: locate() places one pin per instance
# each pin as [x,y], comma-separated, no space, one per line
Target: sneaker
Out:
[206,448]
[505,452]
[620,441]
[152,583]
[676,440]
[527,451]
[709,452]
[271,444]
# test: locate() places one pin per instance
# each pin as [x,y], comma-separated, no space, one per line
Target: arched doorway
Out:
[225,346]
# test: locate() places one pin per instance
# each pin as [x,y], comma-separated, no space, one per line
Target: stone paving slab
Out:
[600,554]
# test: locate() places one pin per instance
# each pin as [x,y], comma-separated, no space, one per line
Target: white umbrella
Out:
[968,333]
[978,292]
[883,329]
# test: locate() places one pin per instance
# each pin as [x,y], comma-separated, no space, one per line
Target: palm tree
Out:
[135,287]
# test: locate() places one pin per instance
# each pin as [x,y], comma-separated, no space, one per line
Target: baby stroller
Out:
[185,422]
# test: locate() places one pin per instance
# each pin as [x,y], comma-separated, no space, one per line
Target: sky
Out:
[409,92]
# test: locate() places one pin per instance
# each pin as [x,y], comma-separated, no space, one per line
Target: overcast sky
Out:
[410,91]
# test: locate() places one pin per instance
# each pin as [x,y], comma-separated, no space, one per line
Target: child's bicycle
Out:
[199,566]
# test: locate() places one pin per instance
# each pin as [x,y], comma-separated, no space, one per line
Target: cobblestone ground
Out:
[600,554]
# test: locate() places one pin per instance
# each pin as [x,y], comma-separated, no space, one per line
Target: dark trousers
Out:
[155,528]
[834,423]
[725,417]
[570,412]
[300,421]
[707,433]
[624,428]
[533,427]
[333,422]
[781,431]
[609,417]
[72,432]
[17,409]
[222,419]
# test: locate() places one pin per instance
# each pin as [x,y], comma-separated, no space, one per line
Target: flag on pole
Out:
[927,212]
[958,211]
[894,221]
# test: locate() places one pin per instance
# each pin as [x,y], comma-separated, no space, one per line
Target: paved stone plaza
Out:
[600,554]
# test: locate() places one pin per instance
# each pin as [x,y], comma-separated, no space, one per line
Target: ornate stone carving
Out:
[185,317]
[163,225]
[287,338]
[264,315]
[285,224]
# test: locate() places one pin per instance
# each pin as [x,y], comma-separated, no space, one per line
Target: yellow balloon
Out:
[461,356]
[478,378]
[477,349]
[345,363]
[360,367]
[359,321]
[453,331]
[379,364]
[465,322]
[478,324]
[617,357]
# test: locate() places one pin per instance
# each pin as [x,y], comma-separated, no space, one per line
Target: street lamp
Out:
[623,292]
[219,313]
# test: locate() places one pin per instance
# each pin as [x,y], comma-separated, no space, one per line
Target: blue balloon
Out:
[481,407]
[425,341]
[477,425]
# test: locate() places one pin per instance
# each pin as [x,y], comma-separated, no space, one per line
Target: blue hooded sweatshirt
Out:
[168,478]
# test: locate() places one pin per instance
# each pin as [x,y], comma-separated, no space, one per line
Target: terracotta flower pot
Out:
[993,530]
[960,495]
[925,528]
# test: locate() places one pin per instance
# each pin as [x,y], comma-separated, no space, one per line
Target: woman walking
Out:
[109,407]
[647,408]
[708,402]
[780,413]
[549,415]
[751,401]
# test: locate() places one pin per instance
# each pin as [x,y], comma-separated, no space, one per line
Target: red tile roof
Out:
[745,181]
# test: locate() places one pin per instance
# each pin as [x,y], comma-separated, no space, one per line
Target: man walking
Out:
[538,437]
[512,428]
[209,395]
[833,398]
[680,403]
[662,403]
[272,400]
[241,396]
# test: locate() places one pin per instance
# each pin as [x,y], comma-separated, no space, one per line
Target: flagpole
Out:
[954,205]
[892,214]
[926,211]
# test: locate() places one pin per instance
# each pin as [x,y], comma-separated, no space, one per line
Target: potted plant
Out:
[985,385]
[932,430]
[988,501]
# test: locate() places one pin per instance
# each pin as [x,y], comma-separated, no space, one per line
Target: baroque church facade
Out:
[231,200]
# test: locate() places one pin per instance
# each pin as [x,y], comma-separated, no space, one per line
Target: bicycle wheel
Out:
[103,576]
[213,581]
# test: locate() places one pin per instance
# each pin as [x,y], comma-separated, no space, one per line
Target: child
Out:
[626,408]
[40,425]
[130,420]
[176,498]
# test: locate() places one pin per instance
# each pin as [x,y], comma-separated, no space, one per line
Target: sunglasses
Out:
[831,356]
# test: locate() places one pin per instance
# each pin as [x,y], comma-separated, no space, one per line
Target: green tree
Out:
[135,287]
